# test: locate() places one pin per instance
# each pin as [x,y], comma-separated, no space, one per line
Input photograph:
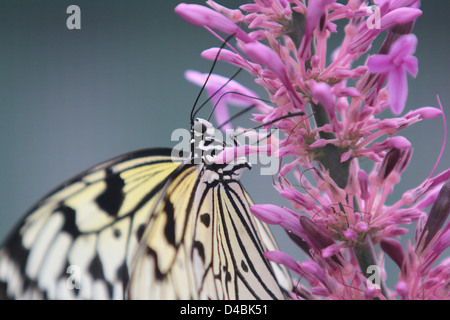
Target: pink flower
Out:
[341,162]
[397,63]
[205,17]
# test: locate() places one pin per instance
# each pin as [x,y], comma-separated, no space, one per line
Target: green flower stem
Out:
[365,255]
[322,118]
[330,155]
[297,28]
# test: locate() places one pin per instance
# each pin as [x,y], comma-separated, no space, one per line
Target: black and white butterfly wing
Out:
[219,254]
[141,226]
[78,241]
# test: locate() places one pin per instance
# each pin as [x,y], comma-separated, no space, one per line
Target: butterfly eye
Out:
[199,127]
[203,128]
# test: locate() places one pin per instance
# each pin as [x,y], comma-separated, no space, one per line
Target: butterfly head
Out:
[207,143]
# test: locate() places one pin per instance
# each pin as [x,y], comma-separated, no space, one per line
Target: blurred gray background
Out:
[72,98]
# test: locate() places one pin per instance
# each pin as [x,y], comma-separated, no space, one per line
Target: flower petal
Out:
[379,63]
[268,213]
[221,115]
[437,217]
[404,46]
[411,65]
[398,89]
[424,113]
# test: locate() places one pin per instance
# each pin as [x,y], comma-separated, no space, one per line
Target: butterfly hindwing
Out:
[249,275]
[220,252]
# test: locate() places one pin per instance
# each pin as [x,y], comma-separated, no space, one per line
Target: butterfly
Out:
[145,225]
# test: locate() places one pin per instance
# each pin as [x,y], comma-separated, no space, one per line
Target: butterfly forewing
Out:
[75,226]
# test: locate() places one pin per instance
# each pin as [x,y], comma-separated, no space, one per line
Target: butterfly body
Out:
[145,225]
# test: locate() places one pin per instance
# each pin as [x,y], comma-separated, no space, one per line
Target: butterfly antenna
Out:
[207,78]
[218,90]
[273,121]
[240,113]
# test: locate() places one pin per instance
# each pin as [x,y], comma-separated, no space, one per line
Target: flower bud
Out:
[402,289]
[394,250]
[437,217]
[206,17]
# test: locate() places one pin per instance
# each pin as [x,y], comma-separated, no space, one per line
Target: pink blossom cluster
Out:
[335,96]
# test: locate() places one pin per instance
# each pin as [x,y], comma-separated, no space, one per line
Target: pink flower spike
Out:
[338,169]
[206,17]
[397,63]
